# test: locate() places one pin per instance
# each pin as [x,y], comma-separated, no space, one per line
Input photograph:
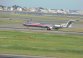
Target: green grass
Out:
[38,17]
[17,18]
[41,44]
[11,21]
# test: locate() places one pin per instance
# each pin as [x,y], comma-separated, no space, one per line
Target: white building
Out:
[32,10]
[44,11]
[61,11]
[1,8]
[19,9]
[80,12]
[52,11]
[8,8]
[11,9]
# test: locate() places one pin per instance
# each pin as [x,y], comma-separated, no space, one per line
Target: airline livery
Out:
[48,26]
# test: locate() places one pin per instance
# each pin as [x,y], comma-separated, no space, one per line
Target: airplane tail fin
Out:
[68,24]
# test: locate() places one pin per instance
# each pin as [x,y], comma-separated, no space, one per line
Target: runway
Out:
[22,29]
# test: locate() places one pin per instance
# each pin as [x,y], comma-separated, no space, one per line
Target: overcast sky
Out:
[53,4]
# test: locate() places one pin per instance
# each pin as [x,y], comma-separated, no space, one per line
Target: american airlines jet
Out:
[48,26]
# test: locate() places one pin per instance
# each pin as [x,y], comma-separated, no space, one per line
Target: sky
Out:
[52,4]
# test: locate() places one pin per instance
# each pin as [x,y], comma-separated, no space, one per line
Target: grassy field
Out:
[20,18]
[41,44]
[39,17]
[11,21]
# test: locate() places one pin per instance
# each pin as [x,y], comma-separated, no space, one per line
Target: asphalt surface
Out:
[20,27]
[40,30]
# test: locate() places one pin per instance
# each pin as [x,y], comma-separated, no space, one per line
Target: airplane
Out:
[48,26]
